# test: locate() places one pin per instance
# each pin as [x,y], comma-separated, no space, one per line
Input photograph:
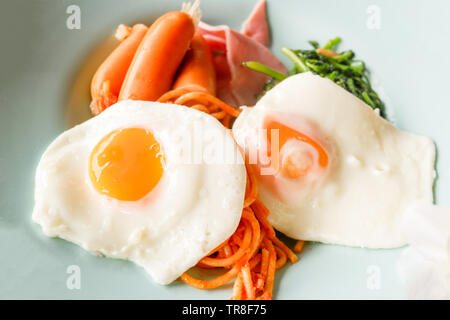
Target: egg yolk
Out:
[297,162]
[126,164]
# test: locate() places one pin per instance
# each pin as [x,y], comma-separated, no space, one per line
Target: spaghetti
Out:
[253,253]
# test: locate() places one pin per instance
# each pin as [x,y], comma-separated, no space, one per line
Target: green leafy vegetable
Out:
[339,67]
[256,66]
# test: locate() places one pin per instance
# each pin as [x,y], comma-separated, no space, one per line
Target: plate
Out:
[44,83]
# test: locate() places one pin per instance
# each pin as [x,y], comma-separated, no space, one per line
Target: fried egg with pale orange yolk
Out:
[330,168]
[148,182]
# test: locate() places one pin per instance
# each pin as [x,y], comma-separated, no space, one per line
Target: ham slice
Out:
[256,26]
[237,85]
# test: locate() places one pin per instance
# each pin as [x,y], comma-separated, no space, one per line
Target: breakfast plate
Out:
[51,51]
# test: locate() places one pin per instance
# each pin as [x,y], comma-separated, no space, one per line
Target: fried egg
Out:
[330,168]
[148,182]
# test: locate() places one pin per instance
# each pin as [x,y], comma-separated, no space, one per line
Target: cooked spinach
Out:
[340,67]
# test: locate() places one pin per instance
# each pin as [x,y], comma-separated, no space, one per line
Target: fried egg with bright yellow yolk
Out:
[143,181]
[330,168]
